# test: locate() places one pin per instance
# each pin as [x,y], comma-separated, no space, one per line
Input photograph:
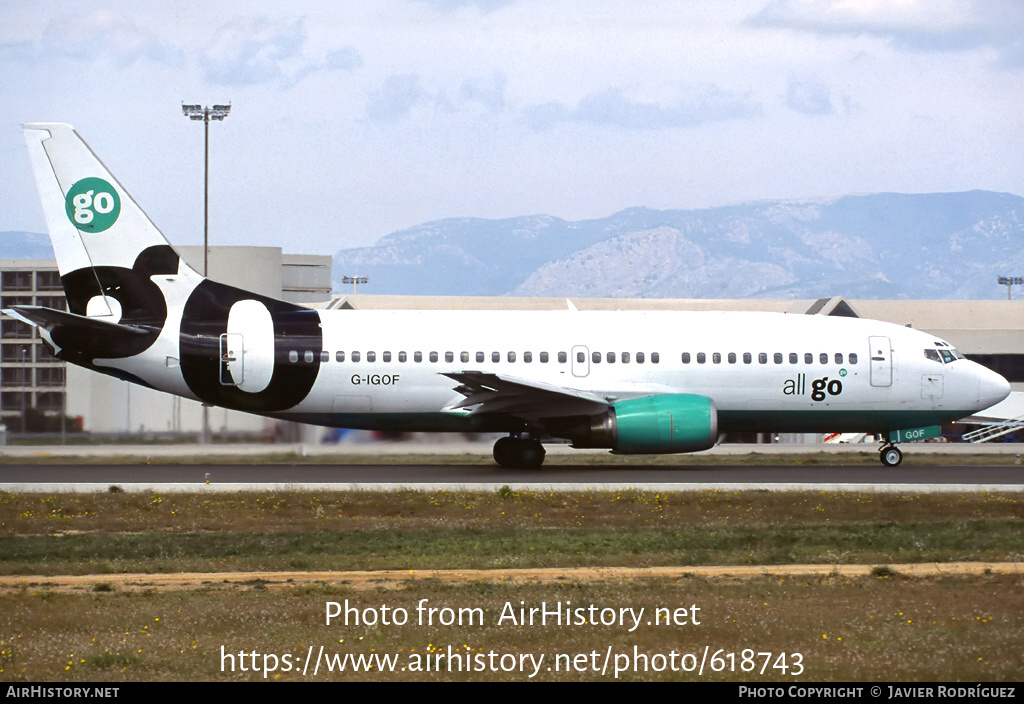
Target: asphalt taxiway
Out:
[737,467]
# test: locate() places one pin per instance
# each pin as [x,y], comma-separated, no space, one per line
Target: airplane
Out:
[634,382]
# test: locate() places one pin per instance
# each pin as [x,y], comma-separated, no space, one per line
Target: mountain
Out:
[886,245]
[24,245]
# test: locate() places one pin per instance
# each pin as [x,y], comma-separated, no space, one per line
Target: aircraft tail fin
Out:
[103,241]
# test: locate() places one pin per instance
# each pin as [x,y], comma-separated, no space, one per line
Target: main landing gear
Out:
[890,455]
[517,452]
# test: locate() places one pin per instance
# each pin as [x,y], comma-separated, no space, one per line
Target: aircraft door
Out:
[251,370]
[580,360]
[232,359]
[881,361]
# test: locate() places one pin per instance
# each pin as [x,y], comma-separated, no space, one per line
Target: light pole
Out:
[355,281]
[1009,281]
[205,114]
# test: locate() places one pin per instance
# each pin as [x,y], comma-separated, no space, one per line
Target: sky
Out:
[354,119]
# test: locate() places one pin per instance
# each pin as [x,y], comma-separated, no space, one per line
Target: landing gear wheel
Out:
[891,456]
[519,453]
[505,451]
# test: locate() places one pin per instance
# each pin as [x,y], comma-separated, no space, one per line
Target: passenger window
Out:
[853,358]
[417,357]
[762,357]
[777,357]
[511,357]
[371,356]
[464,357]
[355,357]
[686,357]
[716,357]
[479,356]
[495,356]
[580,357]
[839,357]
[639,357]
[433,356]
[293,356]
[732,358]
[747,358]
[339,357]
[655,358]
[449,356]
[595,357]
[562,357]
[402,357]
[325,356]
[701,358]
[527,357]
[794,358]
[543,357]
[625,357]
[823,358]
[808,358]
[610,357]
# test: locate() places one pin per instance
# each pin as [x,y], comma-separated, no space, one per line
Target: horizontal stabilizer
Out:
[89,337]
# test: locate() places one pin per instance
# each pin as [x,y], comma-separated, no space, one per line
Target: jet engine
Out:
[654,424]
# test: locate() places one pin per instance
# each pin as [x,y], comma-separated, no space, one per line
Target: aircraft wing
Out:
[498,393]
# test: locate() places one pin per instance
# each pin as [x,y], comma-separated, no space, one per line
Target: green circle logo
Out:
[92,205]
[842,372]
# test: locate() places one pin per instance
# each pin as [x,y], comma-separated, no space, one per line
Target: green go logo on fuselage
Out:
[92,205]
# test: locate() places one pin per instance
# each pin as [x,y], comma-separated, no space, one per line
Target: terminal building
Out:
[36,385]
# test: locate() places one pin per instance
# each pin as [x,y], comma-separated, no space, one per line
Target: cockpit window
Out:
[944,354]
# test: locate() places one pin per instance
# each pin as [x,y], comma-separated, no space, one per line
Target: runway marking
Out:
[391,579]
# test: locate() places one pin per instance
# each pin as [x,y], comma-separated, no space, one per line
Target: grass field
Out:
[884,627]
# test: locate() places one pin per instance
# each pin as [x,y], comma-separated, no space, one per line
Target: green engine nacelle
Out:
[655,424]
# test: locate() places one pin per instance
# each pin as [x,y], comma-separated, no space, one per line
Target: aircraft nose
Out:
[992,387]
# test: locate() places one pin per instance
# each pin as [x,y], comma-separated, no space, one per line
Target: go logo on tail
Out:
[92,204]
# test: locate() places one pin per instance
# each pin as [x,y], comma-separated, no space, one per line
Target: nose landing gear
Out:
[517,452]
[890,455]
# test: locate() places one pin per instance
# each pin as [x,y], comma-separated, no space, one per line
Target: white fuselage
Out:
[762,370]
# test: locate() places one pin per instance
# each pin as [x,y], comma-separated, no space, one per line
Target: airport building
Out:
[32,381]
[990,332]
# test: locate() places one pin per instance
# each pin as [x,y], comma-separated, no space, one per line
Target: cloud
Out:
[396,98]
[613,108]
[487,91]
[252,50]
[485,6]
[809,96]
[96,35]
[256,50]
[400,94]
[912,25]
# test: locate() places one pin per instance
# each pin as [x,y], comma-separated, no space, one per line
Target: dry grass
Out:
[874,628]
[884,627]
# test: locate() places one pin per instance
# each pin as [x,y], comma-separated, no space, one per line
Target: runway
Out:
[489,477]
